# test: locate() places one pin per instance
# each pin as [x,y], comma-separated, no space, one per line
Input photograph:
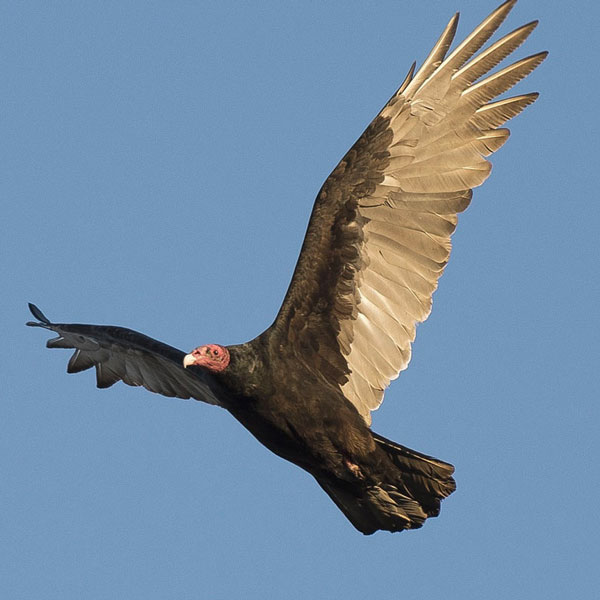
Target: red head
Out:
[210,356]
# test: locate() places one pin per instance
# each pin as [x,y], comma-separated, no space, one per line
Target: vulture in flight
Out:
[377,242]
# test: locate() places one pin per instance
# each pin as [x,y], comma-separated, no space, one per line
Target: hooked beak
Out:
[189,359]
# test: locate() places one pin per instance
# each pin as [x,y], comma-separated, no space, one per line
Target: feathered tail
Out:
[403,500]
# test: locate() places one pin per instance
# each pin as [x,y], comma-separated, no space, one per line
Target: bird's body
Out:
[295,413]
[376,244]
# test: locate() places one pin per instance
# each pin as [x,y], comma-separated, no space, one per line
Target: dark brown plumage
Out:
[376,245]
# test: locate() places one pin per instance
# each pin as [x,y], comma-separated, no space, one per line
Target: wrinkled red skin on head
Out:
[211,356]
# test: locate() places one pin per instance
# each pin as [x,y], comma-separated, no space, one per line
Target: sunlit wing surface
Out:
[379,236]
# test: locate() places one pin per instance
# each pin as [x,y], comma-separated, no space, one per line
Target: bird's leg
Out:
[353,468]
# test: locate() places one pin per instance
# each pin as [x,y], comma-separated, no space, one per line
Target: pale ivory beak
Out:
[188,360]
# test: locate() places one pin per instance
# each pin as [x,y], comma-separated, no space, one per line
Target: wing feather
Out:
[497,113]
[120,354]
[379,236]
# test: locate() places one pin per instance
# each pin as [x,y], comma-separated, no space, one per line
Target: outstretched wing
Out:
[121,354]
[379,235]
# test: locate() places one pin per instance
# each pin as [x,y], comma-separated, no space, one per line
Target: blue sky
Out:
[159,164]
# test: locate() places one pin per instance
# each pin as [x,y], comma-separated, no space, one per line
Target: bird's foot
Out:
[354,469]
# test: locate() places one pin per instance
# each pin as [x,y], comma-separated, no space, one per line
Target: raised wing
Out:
[121,354]
[379,235]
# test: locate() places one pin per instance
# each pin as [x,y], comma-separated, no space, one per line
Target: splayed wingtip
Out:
[43,321]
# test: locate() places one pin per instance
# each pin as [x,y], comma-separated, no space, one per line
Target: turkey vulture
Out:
[377,242]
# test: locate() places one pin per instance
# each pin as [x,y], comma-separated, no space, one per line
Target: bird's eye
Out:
[215,352]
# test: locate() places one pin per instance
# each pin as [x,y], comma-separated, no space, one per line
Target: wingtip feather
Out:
[38,314]
[408,78]
[436,56]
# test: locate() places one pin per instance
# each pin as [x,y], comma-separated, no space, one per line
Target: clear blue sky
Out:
[159,164]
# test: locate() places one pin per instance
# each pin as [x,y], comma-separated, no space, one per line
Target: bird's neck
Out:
[244,375]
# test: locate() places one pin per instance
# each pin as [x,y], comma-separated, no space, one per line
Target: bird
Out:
[377,242]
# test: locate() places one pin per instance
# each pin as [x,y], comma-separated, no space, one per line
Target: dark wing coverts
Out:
[121,354]
[379,235]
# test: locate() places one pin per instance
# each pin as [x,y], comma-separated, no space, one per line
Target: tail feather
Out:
[395,510]
[355,508]
[424,478]
[409,493]
[375,507]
